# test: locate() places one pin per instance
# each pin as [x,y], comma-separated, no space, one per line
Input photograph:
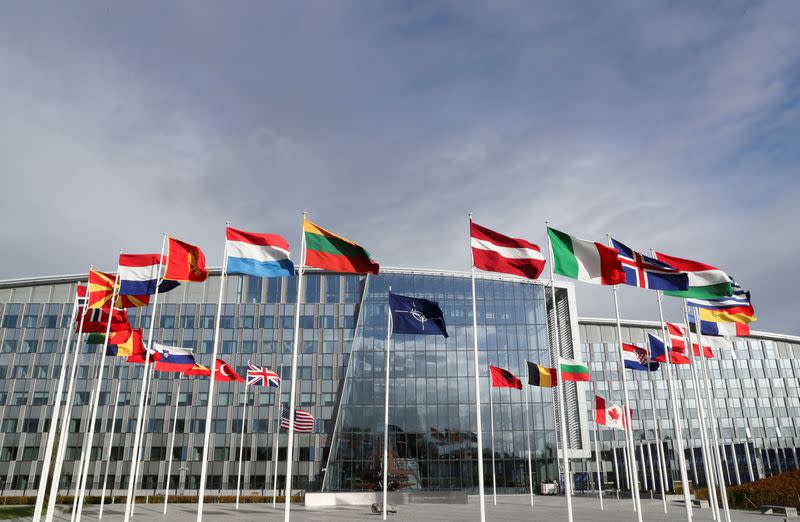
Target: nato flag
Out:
[411,315]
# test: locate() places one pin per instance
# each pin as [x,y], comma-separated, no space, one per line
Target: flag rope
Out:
[137,438]
[562,396]
[293,385]
[210,403]
[172,444]
[108,453]
[481,493]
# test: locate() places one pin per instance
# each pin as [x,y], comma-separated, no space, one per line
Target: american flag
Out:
[261,376]
[303,421]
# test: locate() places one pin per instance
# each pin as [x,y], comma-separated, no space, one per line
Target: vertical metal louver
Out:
[566,344]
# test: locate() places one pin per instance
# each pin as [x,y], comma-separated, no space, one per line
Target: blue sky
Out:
[671,125]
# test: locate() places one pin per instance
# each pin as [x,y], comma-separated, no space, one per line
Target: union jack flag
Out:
[646,272]
[261,376]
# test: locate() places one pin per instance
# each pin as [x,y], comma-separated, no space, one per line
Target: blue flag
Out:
[646,272]
[411,315]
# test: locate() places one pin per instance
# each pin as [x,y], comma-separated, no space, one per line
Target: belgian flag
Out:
[541,376]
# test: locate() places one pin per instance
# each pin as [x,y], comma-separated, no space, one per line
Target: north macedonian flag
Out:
[185,262]
[328,251]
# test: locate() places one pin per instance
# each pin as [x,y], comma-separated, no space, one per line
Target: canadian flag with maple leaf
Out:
[609,414]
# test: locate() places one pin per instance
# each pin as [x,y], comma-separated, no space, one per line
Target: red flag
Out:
[96,320]
[226,373]
[504,379]
[185,262]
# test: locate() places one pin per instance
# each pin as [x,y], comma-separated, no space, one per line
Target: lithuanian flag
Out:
[334,253]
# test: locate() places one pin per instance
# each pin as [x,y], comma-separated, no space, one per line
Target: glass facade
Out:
[342,338]
[432,425]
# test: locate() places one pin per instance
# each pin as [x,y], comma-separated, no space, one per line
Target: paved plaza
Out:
[509,507]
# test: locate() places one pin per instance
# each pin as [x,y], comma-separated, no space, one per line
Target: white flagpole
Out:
[481,493]
[644,465]
[241,445]
[172,443]
[637,505]
[713,418]
[652,468]
[562,396]
[137,438]
[708,466]
[96,404]
[293,386]
[616,465]
[65,418]
[525,393]
[211,381]
[658,437]
[677,440]
[275,441]
[51,436]
[597,459]
[386,409]
[83,458]
[491,431]
[108,453]
[151,392]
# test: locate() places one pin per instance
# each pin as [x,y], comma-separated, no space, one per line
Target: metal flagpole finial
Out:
[227,223]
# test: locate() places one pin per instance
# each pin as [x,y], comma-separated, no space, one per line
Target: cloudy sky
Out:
[671,125]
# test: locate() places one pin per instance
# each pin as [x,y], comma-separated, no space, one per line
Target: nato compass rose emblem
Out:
[416,314]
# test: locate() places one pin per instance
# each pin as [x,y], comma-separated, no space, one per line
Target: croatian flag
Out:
[646,272]
[173,358]
[138,275]
[259,255]
[637,358]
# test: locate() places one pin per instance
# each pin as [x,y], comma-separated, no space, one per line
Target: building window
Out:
[19,371]
[39,398]
[30,453]
[49,346]
[19,398]
[30,425]
[308,399]
[163,398]
[328,399]
[8,453]
[221,454]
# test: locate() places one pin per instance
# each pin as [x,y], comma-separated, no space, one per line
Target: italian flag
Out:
[586,261]
[705,281]
[328,251]
[574,371]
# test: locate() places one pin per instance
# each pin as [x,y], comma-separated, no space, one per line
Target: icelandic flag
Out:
[646,272]
[637,358]
[259,255]
[411,315]
[173,358]
[138,275]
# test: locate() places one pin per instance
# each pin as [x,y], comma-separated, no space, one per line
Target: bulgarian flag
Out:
[328,251]
[572,370]
[705,281]
[586,261]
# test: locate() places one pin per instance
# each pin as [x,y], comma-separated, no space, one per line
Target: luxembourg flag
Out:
[138,275]
[173,358]
[259,255]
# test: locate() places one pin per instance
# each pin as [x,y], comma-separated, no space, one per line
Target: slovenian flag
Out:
[139,273]
[259,255]
[173,358]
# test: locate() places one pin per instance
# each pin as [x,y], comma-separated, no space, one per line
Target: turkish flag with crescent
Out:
[185,262]
[226,373]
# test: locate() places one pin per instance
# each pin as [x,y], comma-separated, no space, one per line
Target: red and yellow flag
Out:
[101,289]
[185,262]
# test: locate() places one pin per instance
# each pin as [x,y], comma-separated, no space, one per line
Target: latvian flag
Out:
[494,252]
[303,421]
